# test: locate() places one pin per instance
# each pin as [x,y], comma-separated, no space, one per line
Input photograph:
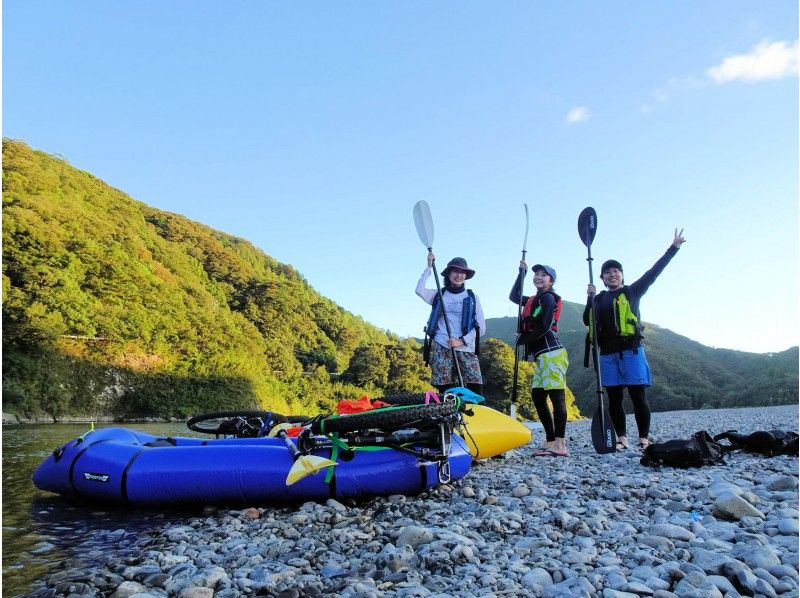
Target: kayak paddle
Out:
[513,409]
[304,465]
[424,224]
[604,438]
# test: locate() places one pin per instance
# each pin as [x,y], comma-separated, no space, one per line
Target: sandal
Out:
[620,446]
[544,453]
[643,445]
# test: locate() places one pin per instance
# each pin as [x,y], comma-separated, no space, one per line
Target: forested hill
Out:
[686,374]
[112,307]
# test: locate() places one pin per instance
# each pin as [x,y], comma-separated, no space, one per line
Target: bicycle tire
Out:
[407,398]
[389,418]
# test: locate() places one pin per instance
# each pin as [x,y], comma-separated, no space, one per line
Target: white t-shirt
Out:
[453,305]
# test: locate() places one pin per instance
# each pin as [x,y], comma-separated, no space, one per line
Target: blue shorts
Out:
[625,369]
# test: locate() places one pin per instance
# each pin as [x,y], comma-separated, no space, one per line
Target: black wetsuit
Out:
[541,339]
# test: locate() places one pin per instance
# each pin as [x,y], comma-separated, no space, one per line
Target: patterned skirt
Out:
[551,370]
[443,371]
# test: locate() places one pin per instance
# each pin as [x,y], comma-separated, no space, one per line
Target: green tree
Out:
[407,370]
[369,366]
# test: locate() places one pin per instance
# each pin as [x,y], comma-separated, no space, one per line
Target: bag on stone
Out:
[774,442]
[696,451]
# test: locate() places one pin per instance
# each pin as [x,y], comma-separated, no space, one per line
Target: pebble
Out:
[587,525]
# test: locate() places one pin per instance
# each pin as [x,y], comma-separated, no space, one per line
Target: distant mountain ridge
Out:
[686,374]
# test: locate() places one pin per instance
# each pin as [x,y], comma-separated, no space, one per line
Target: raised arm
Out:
[513,296]
[640,287]
[424,293]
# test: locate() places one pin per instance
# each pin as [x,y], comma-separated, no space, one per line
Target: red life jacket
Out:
[533,309]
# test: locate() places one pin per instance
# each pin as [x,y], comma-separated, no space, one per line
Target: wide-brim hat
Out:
[458,263]
[550,271]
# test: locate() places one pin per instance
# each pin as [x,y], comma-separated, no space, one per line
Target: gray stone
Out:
[788,527]
[414,536]
[722,583]
[336,505]
[747,580]
[538,577]
[780,571]
[756,556]
[127,589]
[520,491]
[638,588]
[643,572]
[732,506]
[658,542]
[610,593]
[673,532]
[698,585]
[656,583]
[782,482]
[708,561]
[616,581]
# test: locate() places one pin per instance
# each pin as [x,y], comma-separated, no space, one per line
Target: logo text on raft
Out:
[96,477]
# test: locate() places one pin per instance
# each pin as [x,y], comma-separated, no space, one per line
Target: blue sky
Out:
[312,128]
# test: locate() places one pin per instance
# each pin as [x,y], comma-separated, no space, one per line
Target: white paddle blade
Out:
[424,223]
[307,465]
[527,224]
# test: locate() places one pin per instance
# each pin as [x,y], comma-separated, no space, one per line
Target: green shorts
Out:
[551,370]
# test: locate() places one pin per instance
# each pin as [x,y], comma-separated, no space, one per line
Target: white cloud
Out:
[578,114]
[767,60]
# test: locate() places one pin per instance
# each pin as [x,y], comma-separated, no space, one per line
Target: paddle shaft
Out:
[289,444]
[608,437]
[590,259]
[444,317]
[513,410]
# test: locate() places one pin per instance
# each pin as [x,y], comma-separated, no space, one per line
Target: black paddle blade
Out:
[587,225]
[604,439]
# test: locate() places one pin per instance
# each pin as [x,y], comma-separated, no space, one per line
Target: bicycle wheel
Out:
[224,422]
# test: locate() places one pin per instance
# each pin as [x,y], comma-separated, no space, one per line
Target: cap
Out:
[550,272]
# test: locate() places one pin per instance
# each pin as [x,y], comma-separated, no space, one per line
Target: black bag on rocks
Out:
[774,442]
[696,451]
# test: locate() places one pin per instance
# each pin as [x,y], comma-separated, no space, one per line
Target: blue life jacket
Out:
[467,314]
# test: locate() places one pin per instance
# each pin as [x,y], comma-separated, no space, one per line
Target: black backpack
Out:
[774,442]
[696,451]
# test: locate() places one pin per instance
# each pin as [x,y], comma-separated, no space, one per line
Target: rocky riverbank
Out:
[585,525]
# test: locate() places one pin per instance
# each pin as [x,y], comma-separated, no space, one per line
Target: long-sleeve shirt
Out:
[541,338]
[453,305]
[607,337]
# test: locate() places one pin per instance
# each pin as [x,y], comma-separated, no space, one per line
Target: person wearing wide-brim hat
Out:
[539,335]
[619,329]
[464,314]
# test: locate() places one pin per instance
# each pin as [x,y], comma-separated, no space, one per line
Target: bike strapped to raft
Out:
[412,423]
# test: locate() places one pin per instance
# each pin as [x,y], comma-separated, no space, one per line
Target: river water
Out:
[42,530]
